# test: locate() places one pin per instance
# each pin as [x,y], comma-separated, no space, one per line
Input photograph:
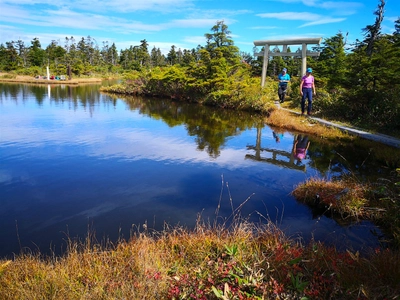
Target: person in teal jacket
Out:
[284,79]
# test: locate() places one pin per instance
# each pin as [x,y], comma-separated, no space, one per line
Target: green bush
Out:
[32,71]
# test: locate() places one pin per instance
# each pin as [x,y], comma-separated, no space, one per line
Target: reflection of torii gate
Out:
[304,52]
[288,164]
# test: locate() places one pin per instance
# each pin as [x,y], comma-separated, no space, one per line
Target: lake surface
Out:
[75,161]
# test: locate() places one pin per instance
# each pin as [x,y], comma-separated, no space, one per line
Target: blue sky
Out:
[183,23]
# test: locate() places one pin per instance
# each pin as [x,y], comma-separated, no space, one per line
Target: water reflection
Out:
[300,147]
[277,156]
[82,157]
[85,95]
[278,135]
[210,126]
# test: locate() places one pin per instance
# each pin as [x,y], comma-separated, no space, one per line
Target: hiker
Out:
[284,79]
[300,147]
[307,89]
[277,136]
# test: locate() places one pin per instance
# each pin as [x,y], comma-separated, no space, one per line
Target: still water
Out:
[74,160]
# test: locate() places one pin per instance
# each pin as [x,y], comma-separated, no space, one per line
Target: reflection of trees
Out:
[354,158]
[210,126]
[83,95]
[18,92]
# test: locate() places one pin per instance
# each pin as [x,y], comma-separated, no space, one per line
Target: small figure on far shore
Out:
[307,89]
[284,79]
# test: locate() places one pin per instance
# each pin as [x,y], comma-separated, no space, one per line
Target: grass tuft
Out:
[344,197]
[244,261]
[285,120]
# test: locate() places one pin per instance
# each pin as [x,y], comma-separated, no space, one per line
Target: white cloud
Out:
[263,27]
[220,14]
[310,18]
[297,16]
[323,21]
[198,23]
[345,7]
[126,6]
[391,19]
[337,7]
[196,40]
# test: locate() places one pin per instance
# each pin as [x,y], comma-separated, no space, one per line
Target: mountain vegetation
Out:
[356,83]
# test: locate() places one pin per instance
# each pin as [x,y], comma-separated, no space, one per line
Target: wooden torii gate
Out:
[285,43]
[277,155]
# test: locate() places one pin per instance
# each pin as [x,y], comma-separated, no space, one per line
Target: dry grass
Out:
[6,77]
[243,262]
[284,119]
[345,197]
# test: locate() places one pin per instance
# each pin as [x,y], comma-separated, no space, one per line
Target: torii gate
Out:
[304,52]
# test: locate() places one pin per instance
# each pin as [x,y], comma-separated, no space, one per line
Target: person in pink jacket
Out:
[307,90]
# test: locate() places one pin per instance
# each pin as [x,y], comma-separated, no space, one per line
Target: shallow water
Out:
[74,160]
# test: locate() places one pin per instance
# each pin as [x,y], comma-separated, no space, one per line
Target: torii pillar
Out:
[284,43]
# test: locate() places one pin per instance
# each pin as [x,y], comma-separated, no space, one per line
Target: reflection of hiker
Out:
[300,147]
[283,78]
[277,136]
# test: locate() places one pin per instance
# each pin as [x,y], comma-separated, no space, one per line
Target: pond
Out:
[75,161]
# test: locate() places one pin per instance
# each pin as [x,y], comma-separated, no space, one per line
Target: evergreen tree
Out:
[220,39]
[188,57]
[143,54]
[397,26]
[276,64]
[157,58]
[332,61]
[372,32]
[56,55]
[23,52]
[220,36]
[179,56]
[36,53]
[113,54]
[9,56]
[172,57]
[3,57]
[124,58]
[82,50]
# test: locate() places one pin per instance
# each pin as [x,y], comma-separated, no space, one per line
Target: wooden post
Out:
[303,59]
[265,65]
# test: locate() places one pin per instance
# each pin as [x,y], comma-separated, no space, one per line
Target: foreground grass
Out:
[245,261]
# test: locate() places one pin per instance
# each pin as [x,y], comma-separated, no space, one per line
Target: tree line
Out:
[356,82]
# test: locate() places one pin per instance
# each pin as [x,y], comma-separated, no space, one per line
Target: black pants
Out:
[282,92]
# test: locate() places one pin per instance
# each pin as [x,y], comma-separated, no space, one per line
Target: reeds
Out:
[246,261]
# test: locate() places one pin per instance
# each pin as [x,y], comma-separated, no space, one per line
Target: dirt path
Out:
[376,137]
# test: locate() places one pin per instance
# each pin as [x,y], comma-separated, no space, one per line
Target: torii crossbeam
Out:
[285,43]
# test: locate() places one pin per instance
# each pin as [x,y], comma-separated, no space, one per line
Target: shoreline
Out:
[32,80]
